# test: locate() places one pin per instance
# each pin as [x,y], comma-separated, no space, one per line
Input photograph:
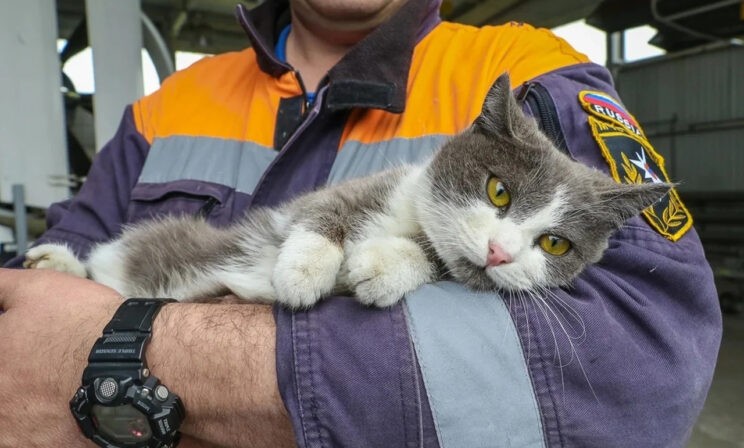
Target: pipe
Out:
[669,20]
[701,10]
[157,48]
[21,223]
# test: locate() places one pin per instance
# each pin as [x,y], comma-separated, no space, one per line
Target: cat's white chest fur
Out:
[401,216]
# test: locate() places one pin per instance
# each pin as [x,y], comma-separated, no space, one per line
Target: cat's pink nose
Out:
[497,256]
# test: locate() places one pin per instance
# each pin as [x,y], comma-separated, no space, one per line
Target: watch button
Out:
[107,389]
[161,393]
[78,399]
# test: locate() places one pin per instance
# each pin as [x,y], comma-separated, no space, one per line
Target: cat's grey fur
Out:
[381,236]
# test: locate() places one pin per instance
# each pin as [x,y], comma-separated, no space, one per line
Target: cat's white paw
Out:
[57,257]
[381,270]
[306,269]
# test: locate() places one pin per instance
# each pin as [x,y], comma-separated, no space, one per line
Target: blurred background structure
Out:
[71,66]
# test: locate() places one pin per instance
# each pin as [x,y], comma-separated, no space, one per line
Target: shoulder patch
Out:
[633,160]
[607,108]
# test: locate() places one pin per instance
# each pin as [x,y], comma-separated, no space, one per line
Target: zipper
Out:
[207,208]
[295,111]
[543,108]
[305,101]
[309,117]
[308,105]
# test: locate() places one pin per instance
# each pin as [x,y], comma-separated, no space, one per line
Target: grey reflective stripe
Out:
[358,159]
[473,367]
[232,163]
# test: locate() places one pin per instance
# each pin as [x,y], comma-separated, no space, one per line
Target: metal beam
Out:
[545,13]
[32,146]
[615,51]
[115,34]
[482,13]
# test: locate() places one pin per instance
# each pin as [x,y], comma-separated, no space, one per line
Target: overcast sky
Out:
[591,41]
[584,38]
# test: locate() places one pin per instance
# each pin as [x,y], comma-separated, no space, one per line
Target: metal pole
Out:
[21,221]
[32,124]
[115,32]
[615,51]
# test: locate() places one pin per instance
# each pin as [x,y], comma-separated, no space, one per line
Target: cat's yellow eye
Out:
[554,245]
[497,193]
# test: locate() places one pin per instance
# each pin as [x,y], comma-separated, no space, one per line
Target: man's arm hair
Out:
[220,359]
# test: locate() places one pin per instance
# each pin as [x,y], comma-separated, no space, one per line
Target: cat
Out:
[498,207]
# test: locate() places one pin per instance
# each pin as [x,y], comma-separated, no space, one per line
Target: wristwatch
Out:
[120,404]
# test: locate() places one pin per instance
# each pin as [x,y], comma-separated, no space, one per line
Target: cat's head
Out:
[504,206]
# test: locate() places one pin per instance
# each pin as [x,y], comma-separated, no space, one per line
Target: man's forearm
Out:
[220,359]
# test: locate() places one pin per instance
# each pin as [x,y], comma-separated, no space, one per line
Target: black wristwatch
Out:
[120,404]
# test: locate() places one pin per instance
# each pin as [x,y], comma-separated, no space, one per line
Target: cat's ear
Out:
[619,202]
[501,114]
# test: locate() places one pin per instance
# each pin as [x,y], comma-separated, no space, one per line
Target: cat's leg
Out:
[250,279]
[381,270]
[306,268]
[57,257]
[136,267]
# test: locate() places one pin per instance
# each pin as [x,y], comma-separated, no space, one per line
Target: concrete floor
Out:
[721,425]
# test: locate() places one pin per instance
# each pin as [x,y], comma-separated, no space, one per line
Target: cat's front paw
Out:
[57,257]
[382,270]
[306,269]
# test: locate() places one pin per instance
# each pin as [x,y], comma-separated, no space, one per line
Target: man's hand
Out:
[218,357]
[50,323]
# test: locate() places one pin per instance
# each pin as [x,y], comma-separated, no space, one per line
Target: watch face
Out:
[121,424]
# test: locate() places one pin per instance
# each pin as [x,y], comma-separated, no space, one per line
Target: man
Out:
[381,82]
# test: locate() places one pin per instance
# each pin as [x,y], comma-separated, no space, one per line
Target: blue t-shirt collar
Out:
[280,50]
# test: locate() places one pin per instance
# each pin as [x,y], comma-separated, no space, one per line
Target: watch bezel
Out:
[163,416]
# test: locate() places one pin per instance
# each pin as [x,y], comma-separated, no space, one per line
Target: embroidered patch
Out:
[633,160]
[607,108]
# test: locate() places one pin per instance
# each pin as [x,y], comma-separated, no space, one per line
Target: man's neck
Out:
[314,53]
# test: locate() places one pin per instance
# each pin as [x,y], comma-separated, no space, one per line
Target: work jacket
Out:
[624,357]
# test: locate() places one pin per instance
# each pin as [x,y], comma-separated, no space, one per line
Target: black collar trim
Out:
[373,74]
[260,24]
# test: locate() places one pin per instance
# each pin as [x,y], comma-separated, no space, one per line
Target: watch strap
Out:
[125,338]
[135,315]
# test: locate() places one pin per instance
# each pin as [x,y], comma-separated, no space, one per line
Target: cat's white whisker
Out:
[556,353]
[539,297]
[572,313]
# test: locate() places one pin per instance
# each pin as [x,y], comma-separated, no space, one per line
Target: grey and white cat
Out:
[498,207]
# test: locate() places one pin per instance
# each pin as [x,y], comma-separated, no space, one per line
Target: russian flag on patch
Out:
[604,106]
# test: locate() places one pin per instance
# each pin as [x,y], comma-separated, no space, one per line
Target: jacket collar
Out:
[373,74]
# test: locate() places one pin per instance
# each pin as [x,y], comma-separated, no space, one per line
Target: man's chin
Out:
[345,15]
